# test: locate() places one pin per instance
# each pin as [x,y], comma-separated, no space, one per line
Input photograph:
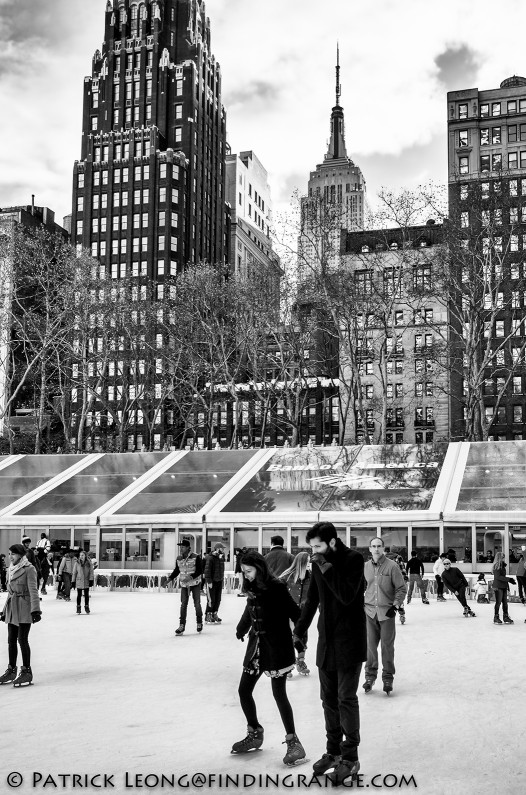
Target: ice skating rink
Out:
[116,694]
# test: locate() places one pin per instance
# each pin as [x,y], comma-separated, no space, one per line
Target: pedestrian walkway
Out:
[117,692]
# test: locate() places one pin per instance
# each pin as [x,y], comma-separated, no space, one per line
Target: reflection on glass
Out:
[361,539]
[29,473]
[136,550]
[494,477]
[111,549]
[457,544]
[395,541]
[85,539]
[517,540]
[164,549]
[360,478]
[268,534]
[246,537]
[219,535]
[426,541]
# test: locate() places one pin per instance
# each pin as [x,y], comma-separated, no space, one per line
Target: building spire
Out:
[337,147]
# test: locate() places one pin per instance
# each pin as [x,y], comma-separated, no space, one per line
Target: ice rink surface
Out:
[116,694]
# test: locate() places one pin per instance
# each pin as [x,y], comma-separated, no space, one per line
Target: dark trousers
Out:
[3,579]
[416,579]
[18,635]
[342,712]
[247,684]
[380,632]
[440,585]
[215,591]
[462,596]
[521,582]
[195,590]
[84,591]
[501,597]
[66,584]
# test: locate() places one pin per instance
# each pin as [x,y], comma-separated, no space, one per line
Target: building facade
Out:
[149,187]
[487,186]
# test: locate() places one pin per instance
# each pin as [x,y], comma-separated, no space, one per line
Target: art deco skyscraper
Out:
[148,192]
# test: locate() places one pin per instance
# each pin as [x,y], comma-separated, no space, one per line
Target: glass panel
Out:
[361,539]
[246,538]
[195,537]
[85,539]
[395,541]
[189,484]
[269,533]
[355,478]
[111,549]
[136,551]
[164,549]
[457,543]
[517,539]
[95,485]
[60,538]
[494,477]
[215,535]
[426,540]
[29,473]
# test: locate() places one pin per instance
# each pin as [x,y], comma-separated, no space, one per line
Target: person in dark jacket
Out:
[415,569]
[31,556]
[189,569]
[278,559]
[500,586]
[214,578]
[266,618]
[457,583]
[3,573]
[21,609]
[297,579]
[82,579]
[337,589]
[44,568]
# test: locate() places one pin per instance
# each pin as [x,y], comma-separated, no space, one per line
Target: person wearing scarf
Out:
[21,609]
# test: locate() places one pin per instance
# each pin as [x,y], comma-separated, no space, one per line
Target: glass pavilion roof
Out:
[425,482]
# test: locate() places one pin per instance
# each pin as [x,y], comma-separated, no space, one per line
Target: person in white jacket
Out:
[438,568]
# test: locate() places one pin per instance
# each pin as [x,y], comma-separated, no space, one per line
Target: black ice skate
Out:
[295,751]
[497,620]
[345,770]
[199,626]
[507,620]
[252,742]
[388,688]
[25,677]
[425,601]
[401,613]
[180,629]
[327,762]
[470,613]
[301,667]
[9,676]
[368,685]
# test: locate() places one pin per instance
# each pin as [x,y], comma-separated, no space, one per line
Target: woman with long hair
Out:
[266,618]
[500,586]
[82,579]
[297,579]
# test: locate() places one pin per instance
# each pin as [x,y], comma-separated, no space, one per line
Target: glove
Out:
[240,636]
[90,583]
[322,562]
[298,643]
[391,612]
[36,616]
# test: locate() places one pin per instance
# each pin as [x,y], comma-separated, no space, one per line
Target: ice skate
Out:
[295,751]
[86,610]
[9,676]
[326,762]
[301,667]
[216,619]
[78,610]
[441,599]
[346,769]
[507,620]
[471,614]
[252,742]
[466,612]
[401,613]
[388,688]
[208,618]
[199,626]
[180,629]
[368,685]
[425,601]
[25,677]
[497,620]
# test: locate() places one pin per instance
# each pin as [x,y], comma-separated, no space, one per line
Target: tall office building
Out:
[148,191]
[335,200]
[487,190]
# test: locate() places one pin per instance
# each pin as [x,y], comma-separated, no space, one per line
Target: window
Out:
[522,105]
[484,136]
[464,220]
[499,328]
[162,194]
[463,165]
[399,390]
[496,161]
[484,110]
[399,318]
[517,385]
[462,111]
[495,108]
[369,391]
[512,106]
[463,192]
[484,163]
[463,138]
[512,133]
[512,160]
[178,134]
[496,136]
[517,413]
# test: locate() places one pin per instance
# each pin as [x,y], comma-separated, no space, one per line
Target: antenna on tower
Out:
[338,86]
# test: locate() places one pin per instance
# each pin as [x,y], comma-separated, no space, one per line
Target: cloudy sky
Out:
[398,58]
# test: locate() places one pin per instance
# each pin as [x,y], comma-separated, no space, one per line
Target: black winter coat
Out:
[339,593]
[299,589]
[267,616]
[500,580]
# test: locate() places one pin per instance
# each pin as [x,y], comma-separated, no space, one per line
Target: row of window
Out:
[498,385]
[137,293]
[120,222]
[392,278]
[495,186]
[492,136]
[494,108]
[397,390]
[139,245]
[493,162]
[120,199]
[121,175]
[423,415]
[132,393]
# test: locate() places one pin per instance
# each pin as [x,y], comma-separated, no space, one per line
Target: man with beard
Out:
[336,588]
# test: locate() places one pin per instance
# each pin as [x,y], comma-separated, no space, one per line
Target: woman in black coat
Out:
[266,618]
[500,586]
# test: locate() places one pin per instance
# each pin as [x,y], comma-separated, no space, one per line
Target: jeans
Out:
[247,684]
[440,585]
[195,590]
[84,591]
[341,709]
[521,582]
[18,633]
[416,578]
[215,590]
[501,597]
[382,632]
[66,584]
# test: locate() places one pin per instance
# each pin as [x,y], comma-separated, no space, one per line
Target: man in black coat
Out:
[337,589]
[278,559]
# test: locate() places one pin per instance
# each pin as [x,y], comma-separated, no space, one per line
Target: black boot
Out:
[9,676]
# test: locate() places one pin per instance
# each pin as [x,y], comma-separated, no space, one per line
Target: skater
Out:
[278,559]
[438,568]
[481,590]
[44,568]
[214,577]
[82,579]
[31,556]
[500,586]
[456,582]
[336,588]
[297,578]
[189,569]
[266,617]
[521,574]
[415,569]
[385,593]
[3,573]
[65,571]
[21,609]
[44,543]
[238,555]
